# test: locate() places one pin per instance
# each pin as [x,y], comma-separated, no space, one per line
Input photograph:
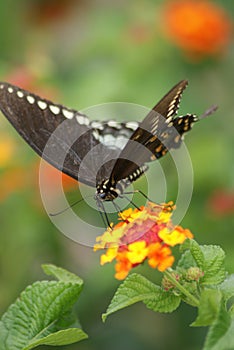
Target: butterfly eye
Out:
[102,195]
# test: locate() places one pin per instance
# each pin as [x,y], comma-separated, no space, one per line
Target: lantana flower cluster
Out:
[142,234]
[200,27]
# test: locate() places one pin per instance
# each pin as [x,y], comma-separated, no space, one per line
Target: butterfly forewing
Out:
[168,106]
[68,134]
[36,119]
[148,134]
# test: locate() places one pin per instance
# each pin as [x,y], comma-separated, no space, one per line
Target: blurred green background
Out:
[81,53]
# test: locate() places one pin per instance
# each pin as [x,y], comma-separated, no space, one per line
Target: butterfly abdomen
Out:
[108,190]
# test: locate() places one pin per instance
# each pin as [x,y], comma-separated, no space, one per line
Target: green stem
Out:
[183,290]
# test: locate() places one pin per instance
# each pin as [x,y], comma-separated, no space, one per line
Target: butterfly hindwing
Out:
[112,133]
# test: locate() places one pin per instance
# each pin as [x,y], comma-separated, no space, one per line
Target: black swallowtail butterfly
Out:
[37,121]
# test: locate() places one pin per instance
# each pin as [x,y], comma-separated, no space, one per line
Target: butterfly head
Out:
[106,191]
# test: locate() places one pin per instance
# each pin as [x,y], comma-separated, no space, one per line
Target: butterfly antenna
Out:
[69,207]
[208,112]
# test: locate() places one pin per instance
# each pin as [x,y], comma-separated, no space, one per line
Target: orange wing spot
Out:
[158,149]
[165,135]
[180,120]
[177,139]
[137,137]
[153,139]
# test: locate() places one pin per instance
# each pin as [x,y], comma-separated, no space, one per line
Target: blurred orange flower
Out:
[31,79]
[51,176]
[12,180]
[21,76]
[7,150]
[141,234]
[200,27]
[16,178]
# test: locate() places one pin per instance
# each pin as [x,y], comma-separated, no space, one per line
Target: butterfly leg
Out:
[125,197]
[139,191]
[102,212]
[118,209]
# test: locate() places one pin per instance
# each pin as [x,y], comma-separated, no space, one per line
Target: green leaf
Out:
[186,245]
[231,310]
[137,288]
[209,258]
[197,254]
[163,301]
[61,274]
[42,315]
[193,256]
[63,337]
[186,260]
[220,335]
[227,287]
[209,306]
[214,269]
